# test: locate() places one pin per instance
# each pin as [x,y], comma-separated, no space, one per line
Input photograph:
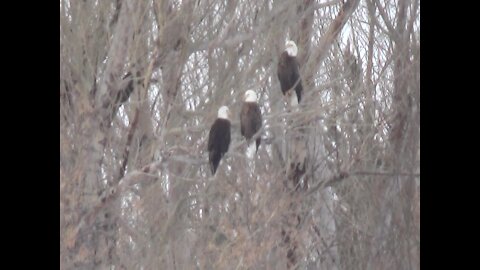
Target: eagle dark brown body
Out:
[250,121]
[218,142]
[288,74]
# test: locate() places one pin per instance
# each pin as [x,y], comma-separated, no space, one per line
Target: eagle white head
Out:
[224,113]
[291,48]
[250,96]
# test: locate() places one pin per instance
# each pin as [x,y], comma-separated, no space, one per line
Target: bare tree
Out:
[335,183]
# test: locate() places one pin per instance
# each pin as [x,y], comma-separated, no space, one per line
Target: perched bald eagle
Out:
[288,71]
[219,138]
[250,118]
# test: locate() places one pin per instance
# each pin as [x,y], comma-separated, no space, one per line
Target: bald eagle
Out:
[219,138]
[288,71]
[250,118]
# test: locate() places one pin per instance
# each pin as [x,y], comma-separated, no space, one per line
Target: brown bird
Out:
[288,70]
[219,138]
[250,118]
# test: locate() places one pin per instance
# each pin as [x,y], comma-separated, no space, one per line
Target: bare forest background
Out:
[140,86]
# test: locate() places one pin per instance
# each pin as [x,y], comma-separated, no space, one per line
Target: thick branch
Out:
[329,37]
[117,54]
